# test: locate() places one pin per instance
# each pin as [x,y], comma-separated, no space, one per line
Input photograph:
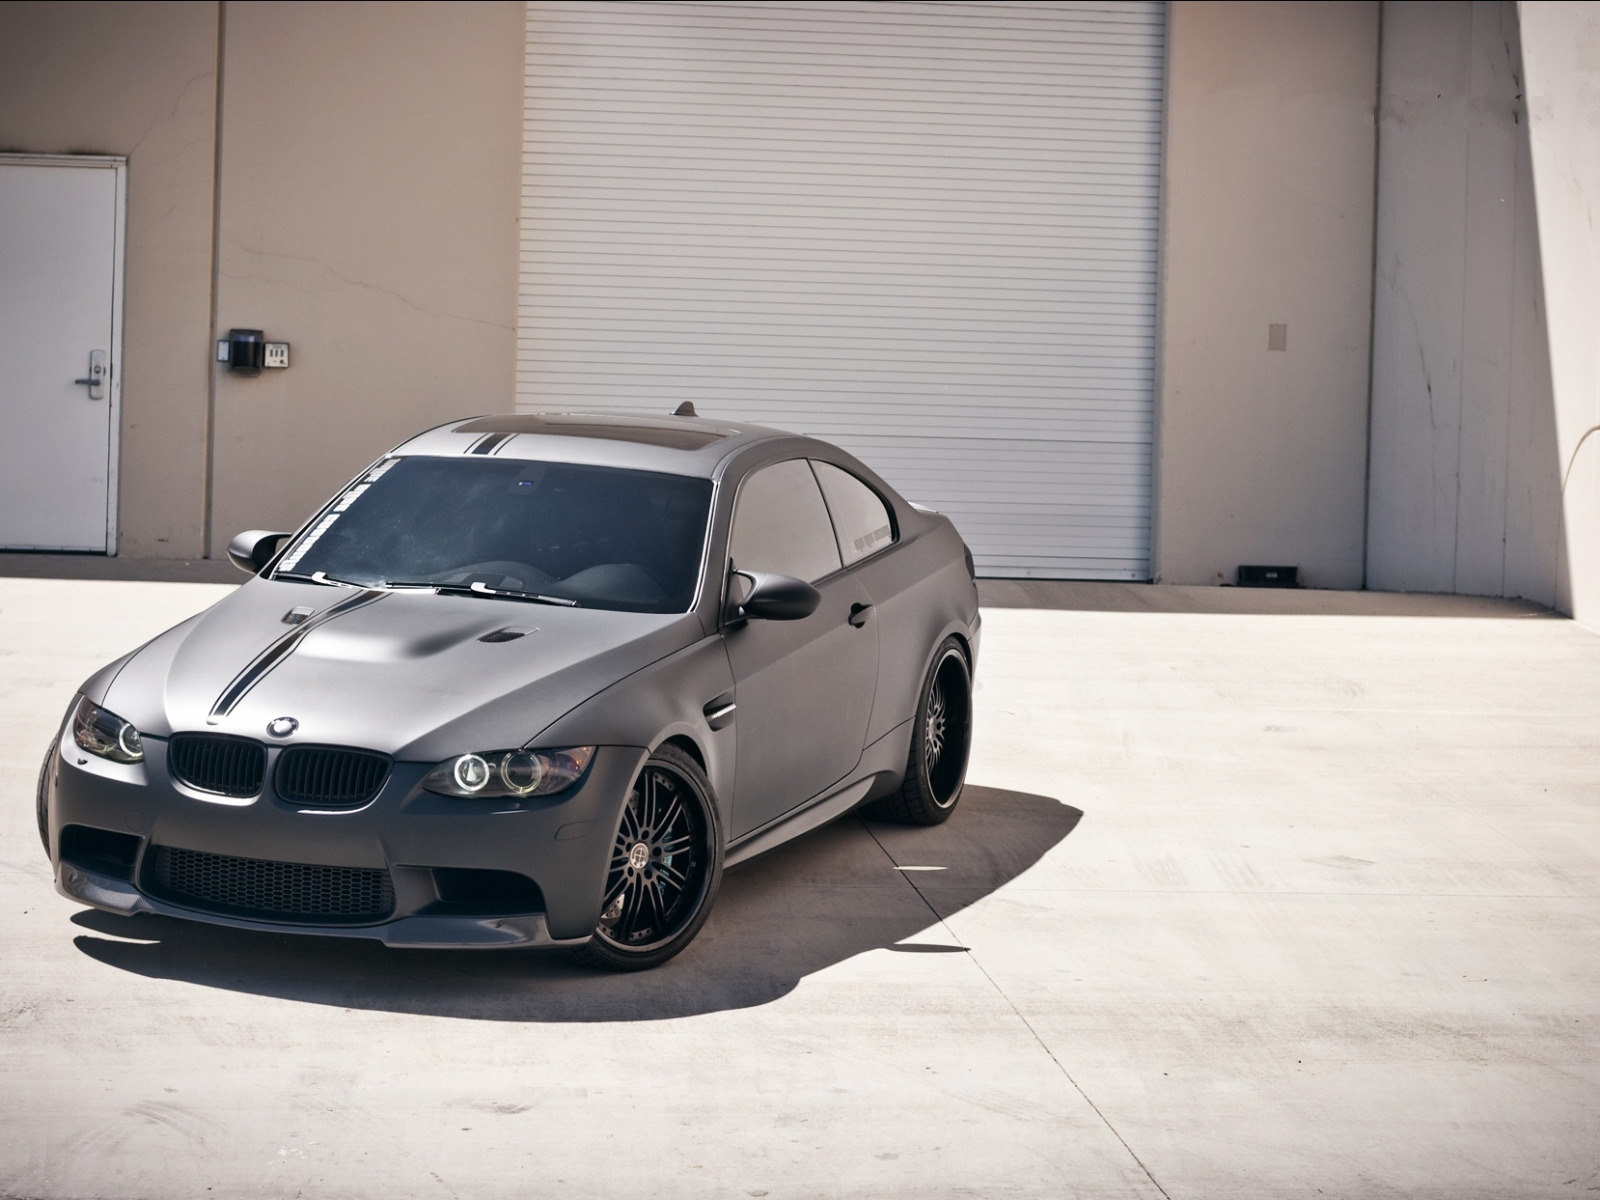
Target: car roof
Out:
[671,444]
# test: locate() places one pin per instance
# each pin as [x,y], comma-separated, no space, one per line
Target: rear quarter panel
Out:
[923,594]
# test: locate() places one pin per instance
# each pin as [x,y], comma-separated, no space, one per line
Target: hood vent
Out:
[215,762]
[330,776]
[503,635]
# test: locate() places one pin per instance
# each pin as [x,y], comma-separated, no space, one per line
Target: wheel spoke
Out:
[933,736]
[673,811]
[648,791]
[656,902]
[612,894]
[631,910]
[678,879]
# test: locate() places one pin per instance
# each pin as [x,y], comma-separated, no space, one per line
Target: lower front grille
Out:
[271,891]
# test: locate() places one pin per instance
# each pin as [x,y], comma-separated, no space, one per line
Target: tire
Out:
[652,909]
[41,797]
[941,741]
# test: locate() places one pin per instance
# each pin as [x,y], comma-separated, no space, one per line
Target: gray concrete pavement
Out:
[1253,894]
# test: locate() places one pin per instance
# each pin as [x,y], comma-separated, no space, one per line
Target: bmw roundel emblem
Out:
[282,726]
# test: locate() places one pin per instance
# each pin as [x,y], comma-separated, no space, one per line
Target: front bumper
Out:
[419,932]
[561,843]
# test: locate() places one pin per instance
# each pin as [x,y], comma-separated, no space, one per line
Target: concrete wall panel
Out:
[137,80]
[1561,49]
[1463,476]
[1268,207]
[370,165]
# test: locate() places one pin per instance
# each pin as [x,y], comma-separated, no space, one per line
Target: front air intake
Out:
[330,776]
[269,891]
[215,762]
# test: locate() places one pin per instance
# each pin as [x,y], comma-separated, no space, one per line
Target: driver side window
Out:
[781,525]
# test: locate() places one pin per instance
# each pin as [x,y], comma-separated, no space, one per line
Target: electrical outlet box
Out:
[247,352]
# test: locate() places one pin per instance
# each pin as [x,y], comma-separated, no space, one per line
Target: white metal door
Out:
[60,374]
[926,231]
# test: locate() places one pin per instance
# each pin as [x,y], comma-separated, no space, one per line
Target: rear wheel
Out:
[941,737]
[666,867]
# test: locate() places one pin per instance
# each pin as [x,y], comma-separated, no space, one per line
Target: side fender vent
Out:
[503,635]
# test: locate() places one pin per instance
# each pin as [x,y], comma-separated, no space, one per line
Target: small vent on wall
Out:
[1282,577]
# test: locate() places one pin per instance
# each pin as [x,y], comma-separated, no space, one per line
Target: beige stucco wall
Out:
[1561,54]
[1465,478]
[370,187]
[1268,202]
[137,80]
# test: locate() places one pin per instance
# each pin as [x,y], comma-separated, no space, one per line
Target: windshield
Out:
[599,536]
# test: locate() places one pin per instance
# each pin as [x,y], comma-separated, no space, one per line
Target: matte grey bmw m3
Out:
[529,681]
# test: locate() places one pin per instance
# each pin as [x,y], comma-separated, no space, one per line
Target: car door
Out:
[804,688]
[868,534]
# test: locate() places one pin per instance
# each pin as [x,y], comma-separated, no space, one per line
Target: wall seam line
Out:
[1515,69]
[1158,359]
[1461,327]
[208,475]
[1372,306]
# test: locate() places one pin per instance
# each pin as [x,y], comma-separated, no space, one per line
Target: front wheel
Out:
[666,867]
[941,737]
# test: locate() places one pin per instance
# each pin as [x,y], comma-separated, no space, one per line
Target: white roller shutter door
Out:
[925,231]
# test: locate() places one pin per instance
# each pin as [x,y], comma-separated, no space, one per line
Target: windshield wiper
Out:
[321,577]
[481,589]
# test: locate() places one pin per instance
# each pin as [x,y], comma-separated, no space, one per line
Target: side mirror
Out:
[253,549]
[776,598]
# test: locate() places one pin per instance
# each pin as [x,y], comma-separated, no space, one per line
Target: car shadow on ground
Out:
[827,897]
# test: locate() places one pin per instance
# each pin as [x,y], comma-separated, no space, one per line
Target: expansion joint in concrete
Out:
[1026,1024]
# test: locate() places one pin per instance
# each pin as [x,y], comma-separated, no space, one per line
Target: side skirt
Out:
[881,768]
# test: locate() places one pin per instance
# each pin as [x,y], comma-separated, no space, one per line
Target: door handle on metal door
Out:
[96,383]
[859,614]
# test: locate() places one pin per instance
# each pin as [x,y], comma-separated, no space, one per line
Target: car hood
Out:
[402,672]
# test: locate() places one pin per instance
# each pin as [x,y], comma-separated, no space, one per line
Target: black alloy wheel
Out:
[666,867]
[941,738]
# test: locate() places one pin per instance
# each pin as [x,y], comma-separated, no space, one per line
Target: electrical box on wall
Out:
[247,352]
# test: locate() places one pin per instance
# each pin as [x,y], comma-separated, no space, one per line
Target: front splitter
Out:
[421,932]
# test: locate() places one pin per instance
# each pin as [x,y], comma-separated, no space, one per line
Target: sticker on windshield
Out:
[350,496]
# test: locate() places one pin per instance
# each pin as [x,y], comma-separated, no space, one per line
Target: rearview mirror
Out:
[776,598]
[253,549]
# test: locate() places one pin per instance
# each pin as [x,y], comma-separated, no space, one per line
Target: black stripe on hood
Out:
[283,647]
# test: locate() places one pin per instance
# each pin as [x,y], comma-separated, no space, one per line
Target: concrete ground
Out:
[1251,894]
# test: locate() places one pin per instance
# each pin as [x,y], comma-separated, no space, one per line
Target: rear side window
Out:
[781,525]
[860,517]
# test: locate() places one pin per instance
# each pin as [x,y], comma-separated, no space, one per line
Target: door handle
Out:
[859,614]
[96,383]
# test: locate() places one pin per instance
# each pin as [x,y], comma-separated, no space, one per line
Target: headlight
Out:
[510,772]
[106,734]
